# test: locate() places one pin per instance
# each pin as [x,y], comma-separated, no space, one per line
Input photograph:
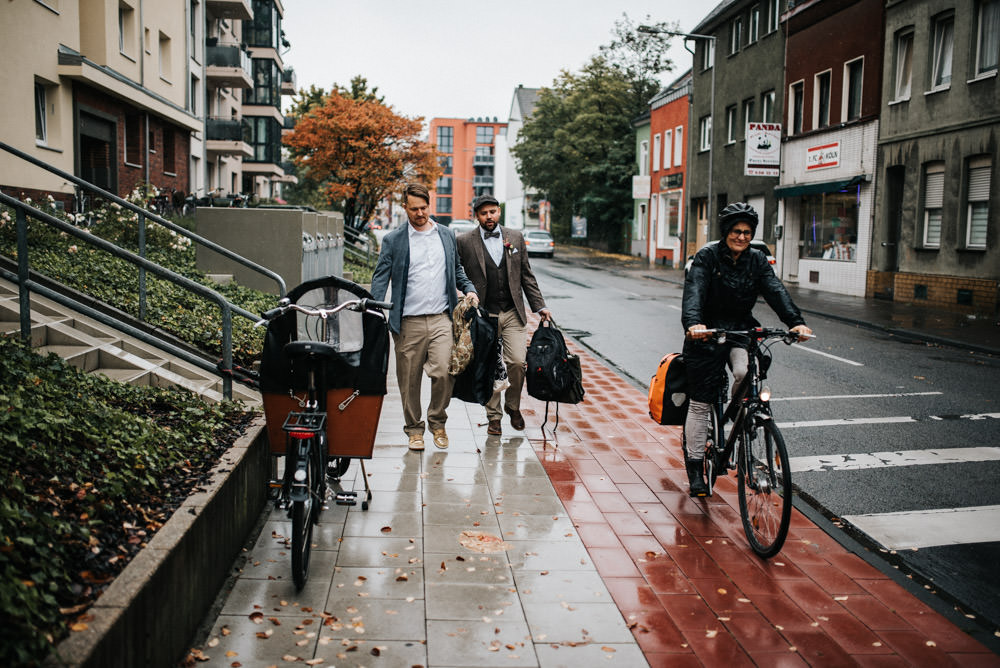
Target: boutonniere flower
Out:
[510,248]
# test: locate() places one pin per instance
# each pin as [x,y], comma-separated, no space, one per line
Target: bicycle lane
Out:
[682,573]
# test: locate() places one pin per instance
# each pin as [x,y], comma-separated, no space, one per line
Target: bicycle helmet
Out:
[735,213]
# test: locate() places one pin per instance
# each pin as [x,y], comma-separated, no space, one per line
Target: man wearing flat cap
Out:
[496,261]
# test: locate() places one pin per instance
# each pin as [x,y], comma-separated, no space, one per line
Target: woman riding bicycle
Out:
[720,290]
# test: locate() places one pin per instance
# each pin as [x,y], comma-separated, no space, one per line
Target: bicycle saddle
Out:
[313,349]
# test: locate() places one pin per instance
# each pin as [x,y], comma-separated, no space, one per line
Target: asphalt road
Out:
[898,443]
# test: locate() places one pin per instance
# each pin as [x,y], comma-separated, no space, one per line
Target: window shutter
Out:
[979,184]
[934,190]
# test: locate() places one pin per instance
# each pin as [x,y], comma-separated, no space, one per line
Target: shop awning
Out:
[797,189]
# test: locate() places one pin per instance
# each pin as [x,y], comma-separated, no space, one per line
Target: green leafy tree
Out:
[578,146]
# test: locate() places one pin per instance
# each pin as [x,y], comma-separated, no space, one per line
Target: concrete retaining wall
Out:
[151,611]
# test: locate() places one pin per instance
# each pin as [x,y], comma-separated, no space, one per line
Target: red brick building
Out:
[668,133]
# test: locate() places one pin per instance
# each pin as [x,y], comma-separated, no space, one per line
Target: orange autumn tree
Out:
[360,152]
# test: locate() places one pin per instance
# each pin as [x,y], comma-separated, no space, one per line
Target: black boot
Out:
[696,476]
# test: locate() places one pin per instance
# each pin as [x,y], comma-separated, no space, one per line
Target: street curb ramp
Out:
[149,614]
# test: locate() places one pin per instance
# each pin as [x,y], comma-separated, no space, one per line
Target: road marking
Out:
[858,396]
[824,354]
[876,460]
[843,422]
[931,528]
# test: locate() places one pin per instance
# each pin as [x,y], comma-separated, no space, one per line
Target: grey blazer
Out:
[393,267]
[520,278]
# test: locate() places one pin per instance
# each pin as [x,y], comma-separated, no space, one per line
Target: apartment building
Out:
[826,193]
[737,79]
[121,92]
[467,151]
[639,234]
[938,202]
[668,129]
[523,207]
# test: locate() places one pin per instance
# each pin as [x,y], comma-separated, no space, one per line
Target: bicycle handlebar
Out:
[363,305]
[759,333]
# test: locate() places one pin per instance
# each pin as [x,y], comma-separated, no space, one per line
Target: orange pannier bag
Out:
[668,399]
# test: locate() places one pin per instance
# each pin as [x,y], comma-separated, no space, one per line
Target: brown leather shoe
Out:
[516,420]
[494,429]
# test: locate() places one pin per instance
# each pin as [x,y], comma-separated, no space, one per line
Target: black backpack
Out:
[552,373]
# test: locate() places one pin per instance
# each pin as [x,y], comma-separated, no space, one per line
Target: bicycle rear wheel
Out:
[765,486]
[302,527]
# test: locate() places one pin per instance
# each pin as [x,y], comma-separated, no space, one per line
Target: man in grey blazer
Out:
[496,261]
[421,263]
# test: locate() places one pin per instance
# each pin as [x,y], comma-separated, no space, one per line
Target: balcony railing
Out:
[229,65]
[223,129]
[288,81]
[482,160]
[482,181]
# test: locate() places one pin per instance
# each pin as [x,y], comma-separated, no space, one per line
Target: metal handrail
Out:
[25,284]
[143,214]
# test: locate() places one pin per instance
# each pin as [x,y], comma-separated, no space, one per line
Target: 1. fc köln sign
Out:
[823,156]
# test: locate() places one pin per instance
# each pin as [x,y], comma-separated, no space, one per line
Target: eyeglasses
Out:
[741,233]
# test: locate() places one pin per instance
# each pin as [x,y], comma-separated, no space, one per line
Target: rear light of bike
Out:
[765,393]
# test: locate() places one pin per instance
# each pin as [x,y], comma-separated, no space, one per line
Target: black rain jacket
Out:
[720,292]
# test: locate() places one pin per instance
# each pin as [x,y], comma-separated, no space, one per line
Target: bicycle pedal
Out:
[346,498]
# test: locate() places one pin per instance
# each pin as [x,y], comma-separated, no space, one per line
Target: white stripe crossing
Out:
[892,395]
[843,422]
[825,354]
[931,528]
[875,460]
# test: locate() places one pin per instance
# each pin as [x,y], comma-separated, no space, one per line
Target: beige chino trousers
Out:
[423,345]
[515,347]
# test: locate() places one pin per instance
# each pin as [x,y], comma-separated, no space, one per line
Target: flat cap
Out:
[483,200]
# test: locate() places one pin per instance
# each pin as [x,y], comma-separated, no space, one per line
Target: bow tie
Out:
[491,235]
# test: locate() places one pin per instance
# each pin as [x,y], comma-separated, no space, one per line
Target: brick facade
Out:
[951,293]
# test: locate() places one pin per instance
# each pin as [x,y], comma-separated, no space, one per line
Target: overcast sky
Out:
[462,58]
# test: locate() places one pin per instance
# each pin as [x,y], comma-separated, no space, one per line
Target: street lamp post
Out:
[710,39]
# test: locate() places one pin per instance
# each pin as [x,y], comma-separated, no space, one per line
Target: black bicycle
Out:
[753,444]
[303,487]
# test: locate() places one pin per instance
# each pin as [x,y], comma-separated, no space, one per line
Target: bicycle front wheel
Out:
[765,486]
[302,527]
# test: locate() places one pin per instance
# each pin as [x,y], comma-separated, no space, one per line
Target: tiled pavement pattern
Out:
[608,562]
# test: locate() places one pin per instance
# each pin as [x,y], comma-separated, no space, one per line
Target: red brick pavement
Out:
[682,573]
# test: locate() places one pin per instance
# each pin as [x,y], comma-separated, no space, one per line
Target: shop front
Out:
[825,210]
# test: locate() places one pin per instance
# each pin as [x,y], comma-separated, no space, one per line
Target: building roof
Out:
[524,101]
[713,16]
[680,87]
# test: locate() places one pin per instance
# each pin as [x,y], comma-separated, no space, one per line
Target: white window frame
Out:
[933,203]
[817,119]
[731,124]
[668,139]
[41,121]
[942,51]
[735,35]
[707,54]
[753,25]
[978,182]
[767,107]
[644,158]
[657,148]
[705,133]
[747,110]
[773,15]
[902,66]
[796,107]
[846,104]
[678,146]
[987,43]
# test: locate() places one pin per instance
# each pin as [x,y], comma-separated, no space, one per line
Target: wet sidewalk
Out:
[580,548]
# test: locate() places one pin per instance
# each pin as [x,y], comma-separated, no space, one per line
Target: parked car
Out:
[754,243]
[460,226]
[539,242]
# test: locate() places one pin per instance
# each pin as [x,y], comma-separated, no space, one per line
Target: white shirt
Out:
[494,245]
[425,283]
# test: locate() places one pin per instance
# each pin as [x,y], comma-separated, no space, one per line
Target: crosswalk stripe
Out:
[931,528]
[875,460]
[842,422]
[828,397]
